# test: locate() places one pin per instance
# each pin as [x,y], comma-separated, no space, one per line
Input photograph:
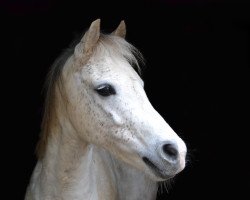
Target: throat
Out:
[93,178]
[123,181]
[90,173]
[101,176]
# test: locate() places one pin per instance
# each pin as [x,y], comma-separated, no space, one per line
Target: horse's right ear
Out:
[120,30]
[89,40]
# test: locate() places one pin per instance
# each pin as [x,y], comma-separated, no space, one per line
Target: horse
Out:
[100,136]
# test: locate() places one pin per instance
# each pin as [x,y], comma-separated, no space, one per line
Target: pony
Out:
[100,136]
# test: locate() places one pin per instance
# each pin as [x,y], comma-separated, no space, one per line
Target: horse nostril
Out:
[170,151]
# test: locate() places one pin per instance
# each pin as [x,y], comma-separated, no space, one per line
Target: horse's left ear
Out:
[120,30]
[89,40]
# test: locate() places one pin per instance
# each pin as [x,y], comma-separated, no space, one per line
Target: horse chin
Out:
[158,177]
[157,173]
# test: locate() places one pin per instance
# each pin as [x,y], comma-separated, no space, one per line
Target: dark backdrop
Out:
[196,76]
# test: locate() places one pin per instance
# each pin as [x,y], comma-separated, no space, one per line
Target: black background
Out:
[196,76]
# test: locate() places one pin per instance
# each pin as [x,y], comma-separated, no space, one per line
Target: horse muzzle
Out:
[167,161]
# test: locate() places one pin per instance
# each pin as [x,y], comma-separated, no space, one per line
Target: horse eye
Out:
[105,90]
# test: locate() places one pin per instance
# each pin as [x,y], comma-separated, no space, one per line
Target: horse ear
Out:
[89,39]
[120,30]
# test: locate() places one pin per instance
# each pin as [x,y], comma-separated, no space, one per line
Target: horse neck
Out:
[74,169]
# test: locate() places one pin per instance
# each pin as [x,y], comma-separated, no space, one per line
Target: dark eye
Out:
[105,90]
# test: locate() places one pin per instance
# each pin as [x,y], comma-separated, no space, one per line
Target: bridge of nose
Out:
[161,136]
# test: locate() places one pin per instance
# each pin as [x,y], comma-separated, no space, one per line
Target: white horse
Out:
[101,137]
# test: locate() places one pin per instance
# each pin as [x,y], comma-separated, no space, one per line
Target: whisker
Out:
[165,186]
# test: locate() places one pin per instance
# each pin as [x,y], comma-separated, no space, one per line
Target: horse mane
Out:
[108,45]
